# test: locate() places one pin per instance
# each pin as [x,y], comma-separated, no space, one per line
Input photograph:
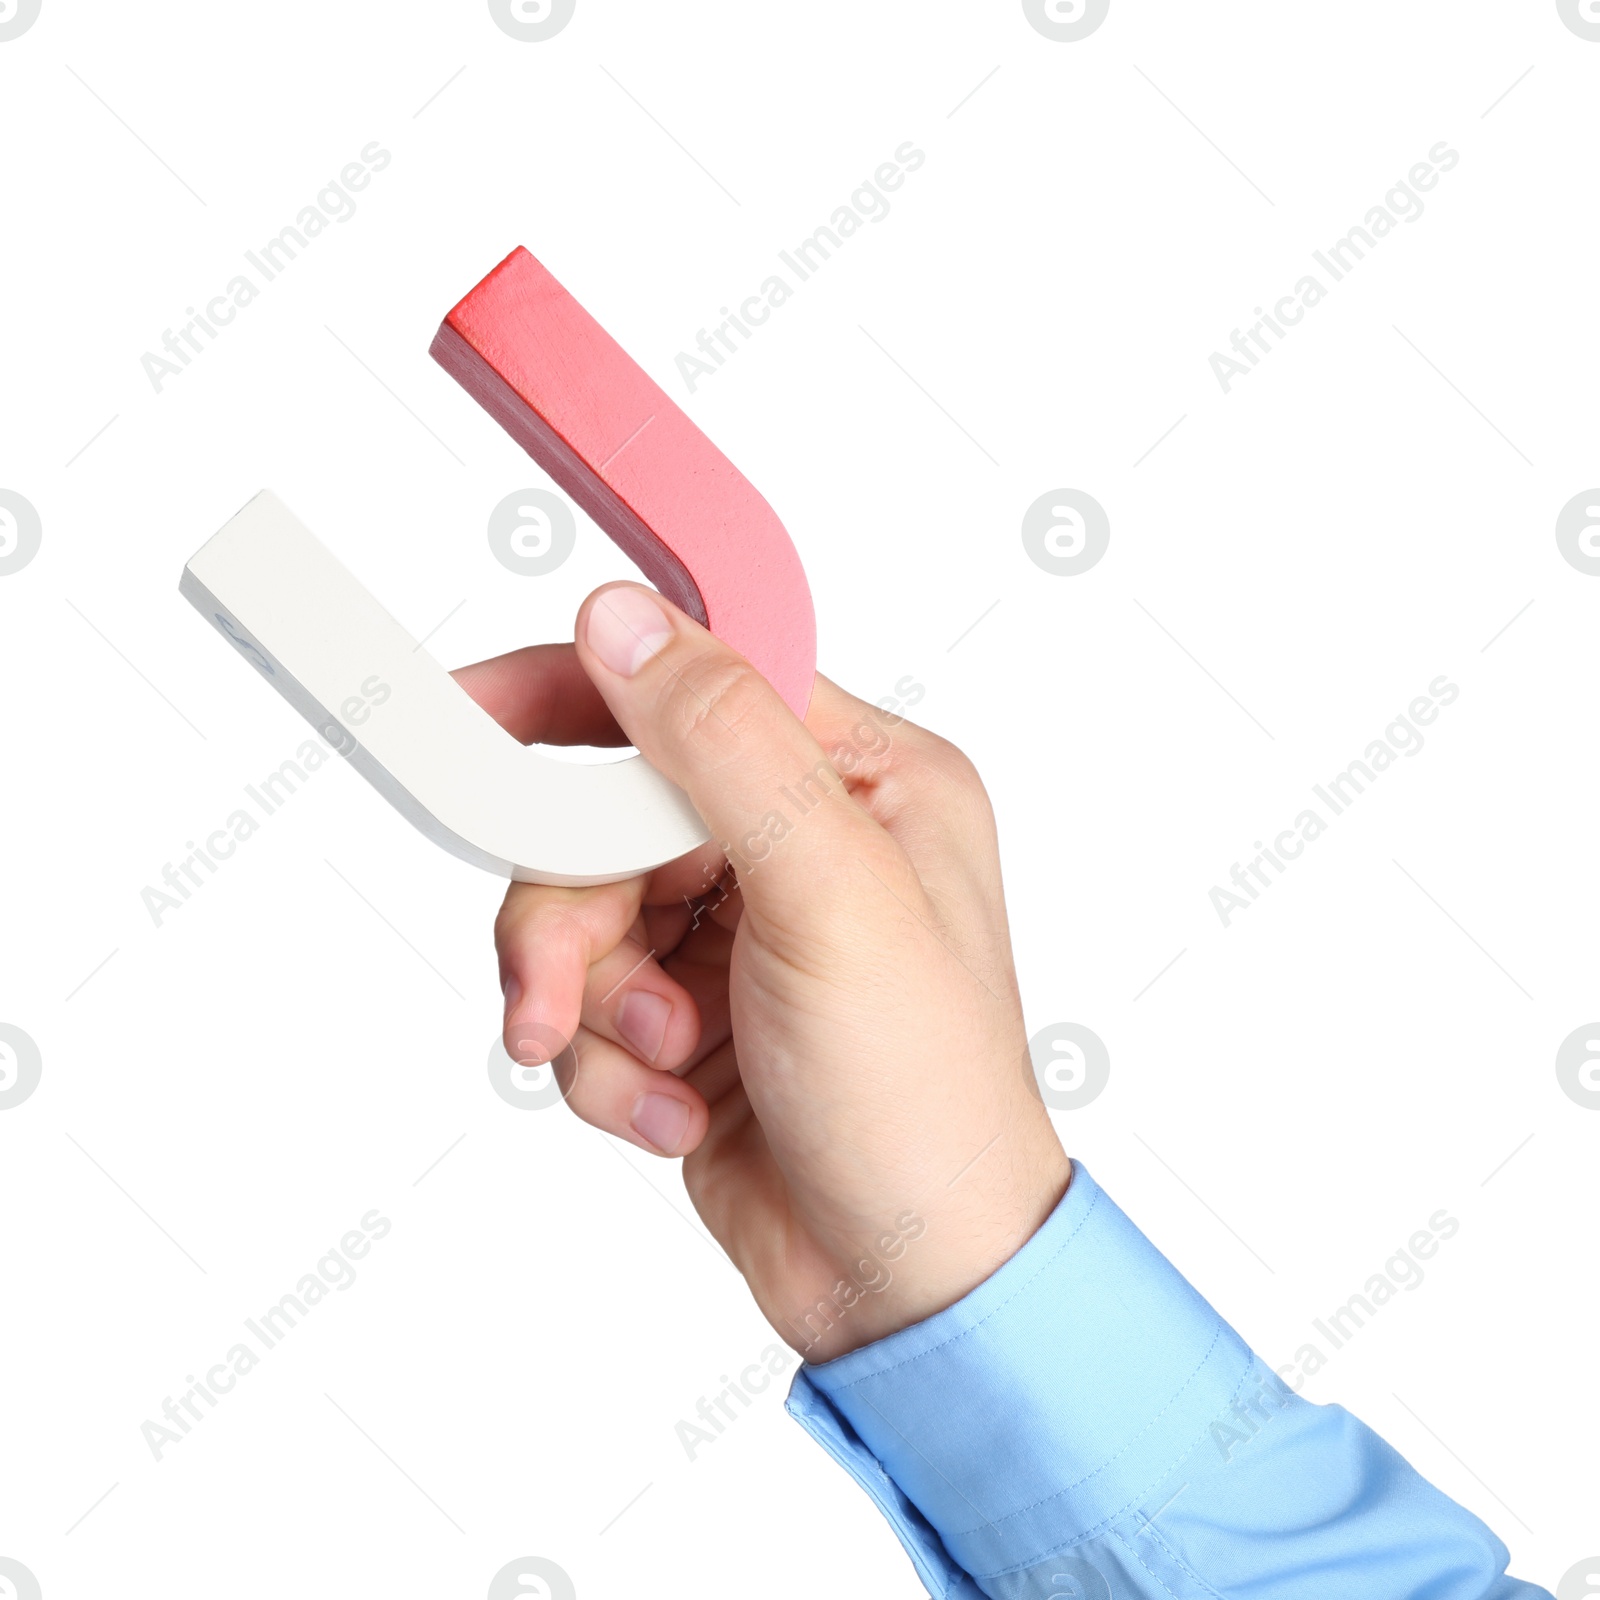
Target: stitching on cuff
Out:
[1108,1522]
[1177,1561]
[1173,1399]
[1116,1533]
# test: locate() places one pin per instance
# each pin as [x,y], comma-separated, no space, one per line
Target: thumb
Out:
[706,719]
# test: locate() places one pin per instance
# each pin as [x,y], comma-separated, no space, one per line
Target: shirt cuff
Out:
[957,1427]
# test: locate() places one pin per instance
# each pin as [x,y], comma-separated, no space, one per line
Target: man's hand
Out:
[818,1011]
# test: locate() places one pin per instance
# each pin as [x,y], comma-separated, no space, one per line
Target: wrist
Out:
[928,1260]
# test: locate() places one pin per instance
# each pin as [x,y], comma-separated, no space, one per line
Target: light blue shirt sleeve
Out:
[1083,1426]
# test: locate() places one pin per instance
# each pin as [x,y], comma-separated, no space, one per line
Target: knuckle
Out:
[714,696]
[518,917]
[507,923]
[957,792]
[532,921]
[955,767]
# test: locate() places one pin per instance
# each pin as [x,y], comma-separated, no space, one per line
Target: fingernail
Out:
[533,1043]
[627,627]
[512,989]
[661,1121]
[642,1022]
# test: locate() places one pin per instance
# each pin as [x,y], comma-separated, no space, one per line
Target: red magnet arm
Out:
[574,399]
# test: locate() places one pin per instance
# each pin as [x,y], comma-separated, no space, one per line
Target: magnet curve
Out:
[574,399]
[312,629]
[568,393]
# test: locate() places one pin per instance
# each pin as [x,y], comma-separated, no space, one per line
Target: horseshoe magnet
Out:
[609,436]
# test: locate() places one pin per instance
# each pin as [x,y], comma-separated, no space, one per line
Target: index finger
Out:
[540,694]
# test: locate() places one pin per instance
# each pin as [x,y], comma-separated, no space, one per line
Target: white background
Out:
[228,1093]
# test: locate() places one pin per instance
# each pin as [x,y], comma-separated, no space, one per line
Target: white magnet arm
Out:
[322,641]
